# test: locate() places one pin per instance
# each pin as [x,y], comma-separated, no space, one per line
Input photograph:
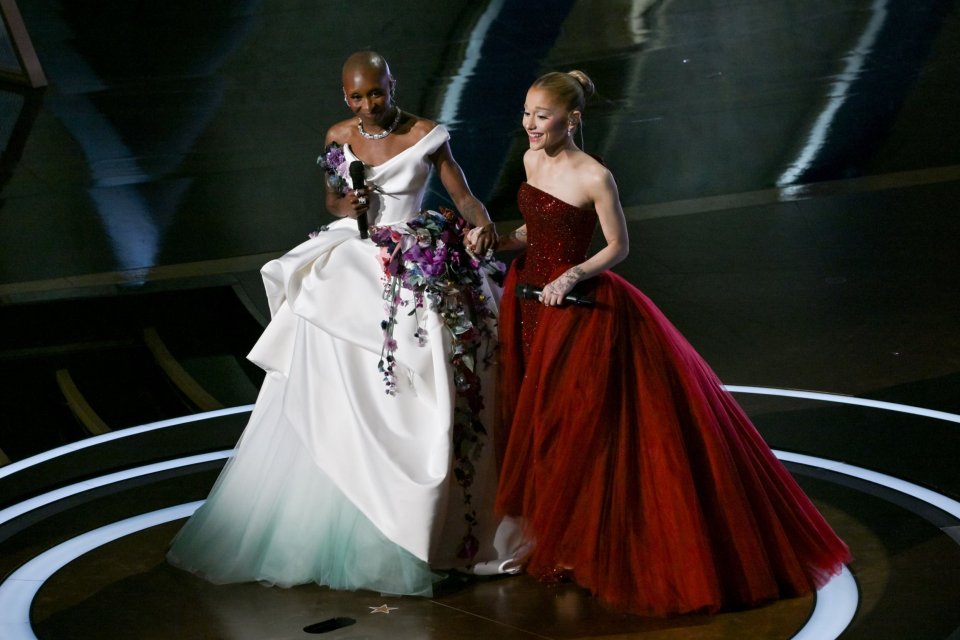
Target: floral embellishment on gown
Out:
[427,257]
[334,163]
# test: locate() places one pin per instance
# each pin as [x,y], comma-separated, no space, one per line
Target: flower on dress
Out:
[427,257]
[334,163]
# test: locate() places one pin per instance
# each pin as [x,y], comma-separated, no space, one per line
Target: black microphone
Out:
[530,292]
[356,176]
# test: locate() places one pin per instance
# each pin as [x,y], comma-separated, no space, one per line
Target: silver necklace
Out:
[383,134]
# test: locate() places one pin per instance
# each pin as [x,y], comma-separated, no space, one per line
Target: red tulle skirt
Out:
[633,466]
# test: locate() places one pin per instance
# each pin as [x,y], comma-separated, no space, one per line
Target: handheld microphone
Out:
[356,176]
[530,292]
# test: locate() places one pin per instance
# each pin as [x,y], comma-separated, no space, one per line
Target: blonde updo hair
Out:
[572,88]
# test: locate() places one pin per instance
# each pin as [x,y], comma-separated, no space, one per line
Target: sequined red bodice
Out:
[558,234]
[558,237]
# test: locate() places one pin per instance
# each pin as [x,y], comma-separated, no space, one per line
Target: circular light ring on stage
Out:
[37,502]
[841,399]
[19,589]
[835,605]
[93,441]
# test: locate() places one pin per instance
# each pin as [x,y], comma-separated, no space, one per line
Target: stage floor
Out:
[88,555]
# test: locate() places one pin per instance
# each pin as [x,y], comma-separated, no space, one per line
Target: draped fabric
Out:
[333,480]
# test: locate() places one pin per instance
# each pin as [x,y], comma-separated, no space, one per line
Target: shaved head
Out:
[365,62]
[368,88]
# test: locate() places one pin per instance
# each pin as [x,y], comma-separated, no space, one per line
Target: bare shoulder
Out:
[590,166]
[530,161]
[414,128]
[594,173]
[422,126]
[596,179]
[341,131]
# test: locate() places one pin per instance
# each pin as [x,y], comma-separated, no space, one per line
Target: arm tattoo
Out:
[573,273]
[569,278]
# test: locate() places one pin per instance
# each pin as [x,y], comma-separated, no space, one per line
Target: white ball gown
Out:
[334,481]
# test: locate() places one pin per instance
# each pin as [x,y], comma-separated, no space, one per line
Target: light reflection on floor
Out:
[833,610]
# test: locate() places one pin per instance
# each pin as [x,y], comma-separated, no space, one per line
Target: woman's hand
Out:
[554,293]
[481,239]
[357,203]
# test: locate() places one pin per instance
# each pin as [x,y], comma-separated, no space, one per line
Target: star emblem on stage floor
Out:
[382,609]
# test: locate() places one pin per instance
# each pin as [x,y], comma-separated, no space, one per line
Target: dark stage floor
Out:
[790,173]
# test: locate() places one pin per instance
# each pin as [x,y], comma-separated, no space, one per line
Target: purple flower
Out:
[434,268]
[335,155]
[334,164]
[343,169]
[416,254]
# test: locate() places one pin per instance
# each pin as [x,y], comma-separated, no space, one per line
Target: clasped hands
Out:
[480,240]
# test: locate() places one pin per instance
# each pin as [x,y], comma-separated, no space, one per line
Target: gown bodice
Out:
[558,234]
[400,182]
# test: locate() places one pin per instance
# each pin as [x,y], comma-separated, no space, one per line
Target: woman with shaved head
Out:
[381,132]
[365,463]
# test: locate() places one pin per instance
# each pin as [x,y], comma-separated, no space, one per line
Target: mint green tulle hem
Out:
[274,517]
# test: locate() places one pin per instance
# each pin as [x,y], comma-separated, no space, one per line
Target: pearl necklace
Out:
[383,134]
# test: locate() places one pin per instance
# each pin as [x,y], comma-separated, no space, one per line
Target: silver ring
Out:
[361,199]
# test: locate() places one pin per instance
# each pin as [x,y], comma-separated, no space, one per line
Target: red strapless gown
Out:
[627,458]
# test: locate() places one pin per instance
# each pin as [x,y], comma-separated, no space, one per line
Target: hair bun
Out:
[585,82]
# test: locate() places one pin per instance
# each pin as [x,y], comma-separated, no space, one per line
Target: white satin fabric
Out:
[390,456]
